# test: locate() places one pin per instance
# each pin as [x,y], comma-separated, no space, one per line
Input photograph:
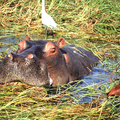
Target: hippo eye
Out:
[49,48]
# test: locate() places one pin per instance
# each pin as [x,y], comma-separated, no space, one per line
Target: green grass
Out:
[25,102]
[91,24]
[91,16]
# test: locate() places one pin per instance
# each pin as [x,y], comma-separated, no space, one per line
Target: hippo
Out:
[16,68]
[47,63]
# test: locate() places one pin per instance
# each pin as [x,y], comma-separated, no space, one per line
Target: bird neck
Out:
[43,5]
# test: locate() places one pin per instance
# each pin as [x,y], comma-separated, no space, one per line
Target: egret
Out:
[47,20]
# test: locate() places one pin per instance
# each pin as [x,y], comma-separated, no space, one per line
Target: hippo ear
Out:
[61,42]
[11,56]
[49,47]
[24,44]
[27,38]
[30,56]
[28,59]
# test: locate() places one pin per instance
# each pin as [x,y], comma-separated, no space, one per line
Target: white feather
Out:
[47,20]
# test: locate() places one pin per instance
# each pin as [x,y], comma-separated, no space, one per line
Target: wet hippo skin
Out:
[44,62]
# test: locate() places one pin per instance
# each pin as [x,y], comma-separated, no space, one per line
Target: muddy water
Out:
[100,75]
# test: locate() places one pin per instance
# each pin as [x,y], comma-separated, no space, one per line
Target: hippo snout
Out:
[30,70]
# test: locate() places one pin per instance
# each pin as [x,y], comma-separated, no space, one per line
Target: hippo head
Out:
[29,70]
[51,54]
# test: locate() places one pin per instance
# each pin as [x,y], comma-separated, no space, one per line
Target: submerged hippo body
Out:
[57,63]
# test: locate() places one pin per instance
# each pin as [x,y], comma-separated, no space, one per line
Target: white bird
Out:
[47,20]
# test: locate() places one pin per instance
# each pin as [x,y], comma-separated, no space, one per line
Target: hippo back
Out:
[79,61]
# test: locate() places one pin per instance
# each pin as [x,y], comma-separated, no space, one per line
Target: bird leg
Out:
[46,33]
[52,34]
